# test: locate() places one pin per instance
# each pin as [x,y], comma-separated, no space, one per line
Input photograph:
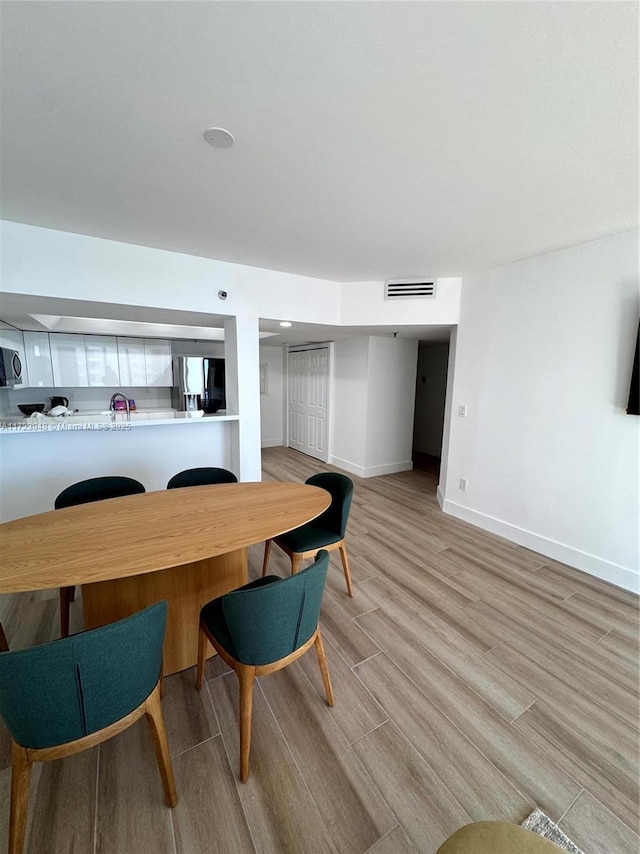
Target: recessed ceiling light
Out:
[286,323]
[219,137]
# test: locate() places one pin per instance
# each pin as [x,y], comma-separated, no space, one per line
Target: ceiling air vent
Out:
[409,289]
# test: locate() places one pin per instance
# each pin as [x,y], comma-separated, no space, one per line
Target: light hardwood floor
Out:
[474,680]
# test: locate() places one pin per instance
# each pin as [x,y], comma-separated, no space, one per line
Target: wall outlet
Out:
[462,410]
[464,483]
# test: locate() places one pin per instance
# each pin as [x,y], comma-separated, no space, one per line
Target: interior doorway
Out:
[431,389]
[308,395]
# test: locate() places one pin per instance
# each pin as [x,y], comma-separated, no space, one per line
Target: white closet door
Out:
[308,398]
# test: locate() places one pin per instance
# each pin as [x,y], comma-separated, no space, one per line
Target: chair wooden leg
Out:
[324,670]
[20,780]
[246,675]
[296,563]
[345,565]
[4,646]
[202,657]
[153,711]
[265,559]
[65,603]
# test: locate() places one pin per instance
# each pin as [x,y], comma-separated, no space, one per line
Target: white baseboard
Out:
[272,443]
[440,499]
[371,471]
[605,570]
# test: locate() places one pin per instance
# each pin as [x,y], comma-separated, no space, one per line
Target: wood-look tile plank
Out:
[63,805]
[395,842]
[359,603]
[594,828]
[543,633]
[612,783]
[280,812]
[614,614]
[584,582]
[407,783]
[526,578]
[495,590]
[188,714]
[479,787]
[208,818]
[564,692]
[357,713]
[430,633]
[347,799]
[528,768]
[132,815]
[625,648]
[418,573]
[431,611]
[347,636]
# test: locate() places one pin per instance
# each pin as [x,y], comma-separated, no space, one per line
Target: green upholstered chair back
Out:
[97,489]
[336,516]
[75,686]
[270,621]
[201,477]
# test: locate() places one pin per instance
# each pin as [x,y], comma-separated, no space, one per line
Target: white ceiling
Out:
[373,140]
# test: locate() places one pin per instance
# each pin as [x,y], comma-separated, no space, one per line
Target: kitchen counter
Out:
[99,421]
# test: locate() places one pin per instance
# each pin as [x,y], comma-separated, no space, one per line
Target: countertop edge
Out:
[120,426]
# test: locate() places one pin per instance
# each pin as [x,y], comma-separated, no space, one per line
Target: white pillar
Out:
[243,394]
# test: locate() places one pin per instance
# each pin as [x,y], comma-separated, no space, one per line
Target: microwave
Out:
[10,368]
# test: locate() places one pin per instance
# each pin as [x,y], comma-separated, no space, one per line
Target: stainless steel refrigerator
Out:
[198,384]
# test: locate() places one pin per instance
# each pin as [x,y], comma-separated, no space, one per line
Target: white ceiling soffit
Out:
[373,140]
[312,333]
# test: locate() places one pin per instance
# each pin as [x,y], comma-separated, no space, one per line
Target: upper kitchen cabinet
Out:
[37,352]
[133,370]
[157,355]
[102,360]
[69,360]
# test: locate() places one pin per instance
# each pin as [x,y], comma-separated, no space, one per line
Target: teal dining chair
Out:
[261,628]
[84,492]
[326,532]
[69,695]
[204,476]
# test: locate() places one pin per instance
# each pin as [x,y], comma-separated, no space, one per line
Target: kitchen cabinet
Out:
[157,356]
[37,352]
[69,360]
[131,360]
[102,360]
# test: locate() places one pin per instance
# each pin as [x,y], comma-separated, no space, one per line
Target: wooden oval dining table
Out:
[187,546]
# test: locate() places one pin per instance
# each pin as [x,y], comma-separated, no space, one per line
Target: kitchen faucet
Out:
[112,404]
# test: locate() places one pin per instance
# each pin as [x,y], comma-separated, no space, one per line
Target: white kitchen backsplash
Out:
[5,406]
[84,399]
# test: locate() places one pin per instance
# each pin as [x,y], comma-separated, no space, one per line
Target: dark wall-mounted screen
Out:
[633,407]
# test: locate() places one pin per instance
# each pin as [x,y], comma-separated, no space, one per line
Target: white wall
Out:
[543,361]
[390,404]
[45,262]
[363,304]
[349,403]
[431,383]
[272,403]
[374,392]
